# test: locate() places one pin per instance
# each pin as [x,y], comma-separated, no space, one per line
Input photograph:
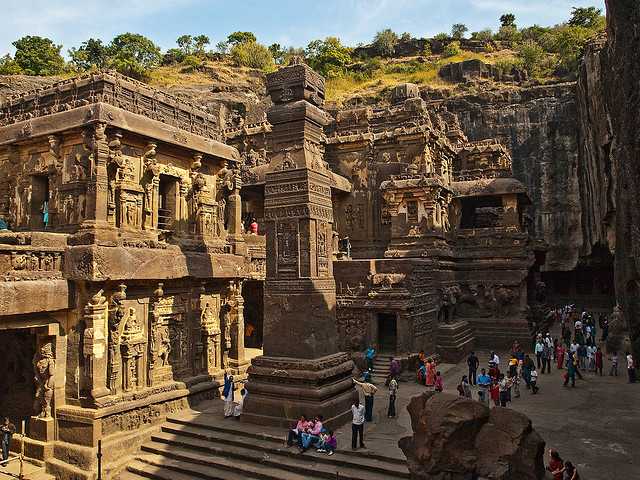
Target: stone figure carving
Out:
[44,368]
[164,345]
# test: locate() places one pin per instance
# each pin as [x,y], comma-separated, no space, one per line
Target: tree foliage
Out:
[587,17]
[384,43]
[252,54]
[452,49]
[8,66]
[328,56]
[532,56]
[458,30]
[237,38]
[38,56]
[508,20]
[441,37]
[484,35]
[133,54]
[91,54]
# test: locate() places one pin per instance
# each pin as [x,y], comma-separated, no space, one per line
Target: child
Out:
[534,380]
[328,443]
[494,391]
[438,383]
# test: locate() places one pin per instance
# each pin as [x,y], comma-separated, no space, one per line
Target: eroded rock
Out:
[458,439]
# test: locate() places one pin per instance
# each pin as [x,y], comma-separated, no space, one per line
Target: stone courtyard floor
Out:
[595,425]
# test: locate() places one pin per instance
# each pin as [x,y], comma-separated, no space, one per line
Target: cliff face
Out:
[596,166]
[621,82]
[539,126]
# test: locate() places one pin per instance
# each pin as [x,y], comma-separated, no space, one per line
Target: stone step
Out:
[276,436]
[279,448]
[251,463]
[158,467]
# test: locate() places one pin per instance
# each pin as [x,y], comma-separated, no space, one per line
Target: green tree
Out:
[534,32]
[458,30]
[588,17]
[91,54]
[133,54]
[38,56]
[567,43]
[532,56]
[8,66]
[484,35]
[241,37]
[508,20]
[385,42]
[199,44]
[405,37]
[252,54]
[328,56]
[185,44]
[222,47]
[277,52]
[441,37]
[508,34]
[452,49]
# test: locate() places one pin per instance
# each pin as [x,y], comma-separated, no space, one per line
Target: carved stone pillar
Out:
[301,370]
[95,346]
[211,335]
[236,317]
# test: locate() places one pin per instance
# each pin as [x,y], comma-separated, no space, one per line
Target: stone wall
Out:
[620,82]
[538,125]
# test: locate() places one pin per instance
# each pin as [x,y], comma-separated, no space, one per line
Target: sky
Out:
[288,22]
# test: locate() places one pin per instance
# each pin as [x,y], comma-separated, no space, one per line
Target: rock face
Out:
[458,439]
[538,125]
[623,104]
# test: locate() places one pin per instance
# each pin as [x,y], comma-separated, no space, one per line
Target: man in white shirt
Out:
[357,424]
[495,359]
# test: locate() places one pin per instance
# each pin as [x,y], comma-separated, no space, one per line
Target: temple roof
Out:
[489,186]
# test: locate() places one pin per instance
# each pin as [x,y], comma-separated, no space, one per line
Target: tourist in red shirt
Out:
[599,361]
[556,467]
[253,227]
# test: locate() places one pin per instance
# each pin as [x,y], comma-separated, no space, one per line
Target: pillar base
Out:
[283,388]
[455,341]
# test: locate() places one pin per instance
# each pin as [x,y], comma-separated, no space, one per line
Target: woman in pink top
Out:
[431,373]
[296,432]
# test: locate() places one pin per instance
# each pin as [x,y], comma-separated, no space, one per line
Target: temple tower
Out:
[301,370]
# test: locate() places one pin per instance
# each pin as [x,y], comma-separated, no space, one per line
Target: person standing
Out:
[548,357]
[357,424]
[534,380]
[484,382]
[370,354]
[571,370]
[431,373]
[253,227]
[369,390]
[393,391]
[504,385]
[599,361]
[539,351]
[7,429]
[631,368]
[473,363]
[560,353]
[227,394]
[464,389]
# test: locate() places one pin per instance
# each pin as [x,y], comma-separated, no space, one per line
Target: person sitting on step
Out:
[328,443]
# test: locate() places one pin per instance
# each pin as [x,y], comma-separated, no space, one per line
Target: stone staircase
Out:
[381,363]
[213,448]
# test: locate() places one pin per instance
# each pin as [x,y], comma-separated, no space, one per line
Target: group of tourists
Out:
[308,433]
[7,429]
[428,373]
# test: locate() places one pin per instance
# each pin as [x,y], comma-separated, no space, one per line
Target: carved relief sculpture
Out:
[44,367]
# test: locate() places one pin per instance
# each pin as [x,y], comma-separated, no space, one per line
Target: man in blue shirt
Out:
[484,382]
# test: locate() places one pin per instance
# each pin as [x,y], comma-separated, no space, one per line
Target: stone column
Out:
[236,305]
[95,345]
[302,370]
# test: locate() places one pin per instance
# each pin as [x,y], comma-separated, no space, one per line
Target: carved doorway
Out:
[252,292]
[17,389]
[39,202]
[387,332]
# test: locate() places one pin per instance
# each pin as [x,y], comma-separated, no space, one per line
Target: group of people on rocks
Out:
[308,433]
